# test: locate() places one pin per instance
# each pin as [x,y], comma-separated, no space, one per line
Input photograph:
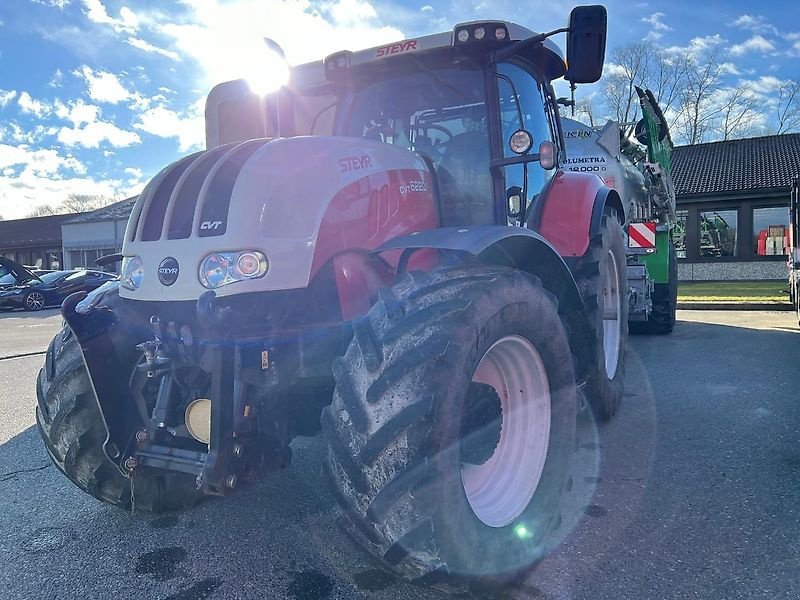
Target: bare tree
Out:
[788,106]
[43,210]
[586,111]
[739,112]
[698,112]
[76,203]
[667,79]
[631,68]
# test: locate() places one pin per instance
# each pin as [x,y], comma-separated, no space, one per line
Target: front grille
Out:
[170,202]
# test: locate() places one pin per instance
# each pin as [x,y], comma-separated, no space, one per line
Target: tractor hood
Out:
[20,273]
[272,197]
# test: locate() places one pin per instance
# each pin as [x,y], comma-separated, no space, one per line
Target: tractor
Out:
[387,249]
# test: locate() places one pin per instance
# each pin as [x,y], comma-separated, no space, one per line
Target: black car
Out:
[35,292]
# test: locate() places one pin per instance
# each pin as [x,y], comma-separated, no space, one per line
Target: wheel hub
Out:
[500,487]
[480,424]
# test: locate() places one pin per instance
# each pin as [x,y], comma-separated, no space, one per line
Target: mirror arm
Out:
[519,46]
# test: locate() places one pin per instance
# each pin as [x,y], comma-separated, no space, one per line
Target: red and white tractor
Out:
[387,248]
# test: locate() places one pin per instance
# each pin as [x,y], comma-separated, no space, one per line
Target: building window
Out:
[718,233]
[770,230]
[679,233]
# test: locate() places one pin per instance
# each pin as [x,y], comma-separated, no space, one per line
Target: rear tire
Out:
[665,302]
[406,414]
[69,420]
[602,279]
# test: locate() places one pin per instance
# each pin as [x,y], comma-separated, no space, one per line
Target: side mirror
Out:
[514,197]
[586,43]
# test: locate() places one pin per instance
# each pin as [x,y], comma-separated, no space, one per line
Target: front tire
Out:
[417,397]
[69,420]
[602,279]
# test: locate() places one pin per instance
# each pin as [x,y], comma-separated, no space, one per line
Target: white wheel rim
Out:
[501,488]
[35,301]
[612,311]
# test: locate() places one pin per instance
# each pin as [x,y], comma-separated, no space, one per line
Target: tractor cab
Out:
[477,104]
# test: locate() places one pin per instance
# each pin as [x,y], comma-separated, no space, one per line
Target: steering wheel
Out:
[437,147]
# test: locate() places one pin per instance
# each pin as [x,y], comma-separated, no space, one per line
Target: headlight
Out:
[222,268]
[132,272]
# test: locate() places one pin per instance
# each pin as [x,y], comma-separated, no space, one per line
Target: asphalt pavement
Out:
[692,491]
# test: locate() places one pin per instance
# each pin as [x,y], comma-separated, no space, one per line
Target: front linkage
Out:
[211,405]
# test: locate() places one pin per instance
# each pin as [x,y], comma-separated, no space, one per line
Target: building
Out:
[88,236]
[733,207]
[35,241]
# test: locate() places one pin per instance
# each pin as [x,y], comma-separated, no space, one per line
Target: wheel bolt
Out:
[238,450]
[130,463]
[141,435]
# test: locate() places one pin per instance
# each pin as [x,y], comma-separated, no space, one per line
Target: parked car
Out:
[32,291]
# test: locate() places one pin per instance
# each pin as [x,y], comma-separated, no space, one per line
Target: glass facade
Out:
[770,230]
[717,235]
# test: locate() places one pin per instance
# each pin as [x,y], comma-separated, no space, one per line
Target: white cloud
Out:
[32,106]
[54,3]
[22,192]
[426,8]
[133,172]
[78,112]
[754,23]
[103,86]
[55,82]
[756,43]
[127,22]
[698,45]
[91,135]
[7,96]
[45,161]
[656,23]
[729,68]
[189,129]
[147,47]
[226,39]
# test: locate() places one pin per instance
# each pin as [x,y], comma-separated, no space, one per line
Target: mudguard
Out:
[521,249]
[572,211]
[108,335]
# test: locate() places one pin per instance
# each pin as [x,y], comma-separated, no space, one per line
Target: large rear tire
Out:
[71,426]
[453,425]
[602,279]
[665,302]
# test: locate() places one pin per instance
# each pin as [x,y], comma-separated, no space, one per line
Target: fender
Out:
[522,249]
[572,211]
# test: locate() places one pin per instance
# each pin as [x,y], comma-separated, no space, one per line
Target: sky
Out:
[96,96]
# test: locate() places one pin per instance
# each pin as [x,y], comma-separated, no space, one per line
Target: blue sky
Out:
[97,95]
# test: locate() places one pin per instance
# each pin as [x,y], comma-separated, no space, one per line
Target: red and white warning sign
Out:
[642,235]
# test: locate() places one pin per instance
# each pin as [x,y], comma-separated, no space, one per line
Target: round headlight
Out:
[132,272]
[480,33]
[520,142]
[500,33]
[463,35]
[214,270]
[248,264]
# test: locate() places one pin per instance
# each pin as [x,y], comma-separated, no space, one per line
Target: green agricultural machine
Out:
[641,172]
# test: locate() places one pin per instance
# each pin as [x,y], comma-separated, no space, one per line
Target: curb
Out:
[768,306]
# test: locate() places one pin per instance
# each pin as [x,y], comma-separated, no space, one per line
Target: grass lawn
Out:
[732,291]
